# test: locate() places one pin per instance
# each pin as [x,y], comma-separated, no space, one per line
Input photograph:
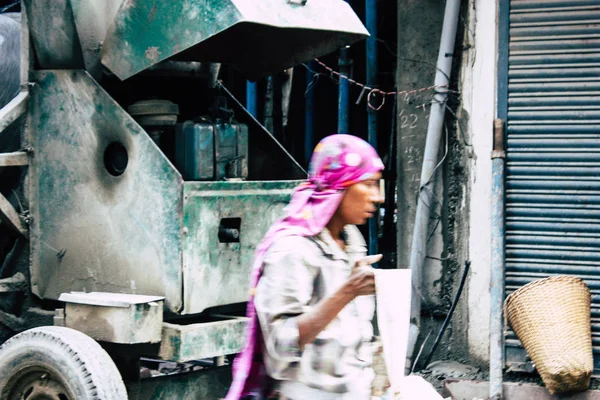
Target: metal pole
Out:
[344,91]
[251,98]
[371,25]
[497,261]
[418,249]
[344,63]
[309,104]
[277,108]
[497,211]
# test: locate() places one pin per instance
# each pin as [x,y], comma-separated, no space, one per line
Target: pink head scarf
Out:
[338,162]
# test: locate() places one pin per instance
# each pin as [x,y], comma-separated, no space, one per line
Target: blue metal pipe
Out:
[498,264]
[371,25]
[309,104]
[372,65]
[344,92]
[344,63]
[498,218]
[251,98]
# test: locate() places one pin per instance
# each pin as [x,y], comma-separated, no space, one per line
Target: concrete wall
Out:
[463,186]
[479,101]
[419,28]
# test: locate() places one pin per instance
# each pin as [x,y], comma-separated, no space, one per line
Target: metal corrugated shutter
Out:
[553,149]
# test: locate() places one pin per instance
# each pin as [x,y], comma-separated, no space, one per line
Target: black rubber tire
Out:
[72,359]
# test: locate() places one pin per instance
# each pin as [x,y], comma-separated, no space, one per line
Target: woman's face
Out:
[360,201]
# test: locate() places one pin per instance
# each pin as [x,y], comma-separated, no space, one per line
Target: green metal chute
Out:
[257,37]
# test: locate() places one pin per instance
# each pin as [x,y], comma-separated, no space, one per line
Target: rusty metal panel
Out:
[92,230]
[114,317]
[217,267]
[553,150]
[202,340]
[257,37]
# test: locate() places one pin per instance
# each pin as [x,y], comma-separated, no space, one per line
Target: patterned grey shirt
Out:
[298,273]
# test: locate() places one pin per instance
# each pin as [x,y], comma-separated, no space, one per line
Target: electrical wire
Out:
[450,312]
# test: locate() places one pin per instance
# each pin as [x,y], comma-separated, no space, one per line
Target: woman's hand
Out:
[361,282]
[362,278]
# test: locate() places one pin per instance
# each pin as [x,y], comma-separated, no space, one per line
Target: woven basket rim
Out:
[540,282]
[544,281]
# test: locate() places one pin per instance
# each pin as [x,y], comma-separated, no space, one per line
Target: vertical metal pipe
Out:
[344,91]
[251,98]
[497,261]
[497,211]
[344,63]
[418,249]
[309,104]
[287,78]
[278,108]
[390,190]
[371,25]
[372,65]
[268,104]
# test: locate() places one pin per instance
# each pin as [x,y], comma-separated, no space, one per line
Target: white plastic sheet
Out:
[393,317]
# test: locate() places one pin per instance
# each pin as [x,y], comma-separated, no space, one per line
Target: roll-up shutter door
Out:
[553,149]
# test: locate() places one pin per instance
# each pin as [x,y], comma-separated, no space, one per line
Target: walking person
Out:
[311,299]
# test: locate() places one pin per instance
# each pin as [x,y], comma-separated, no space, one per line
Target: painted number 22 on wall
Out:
[408,120]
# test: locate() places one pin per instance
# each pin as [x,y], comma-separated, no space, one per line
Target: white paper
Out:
[393,317]
[393,293]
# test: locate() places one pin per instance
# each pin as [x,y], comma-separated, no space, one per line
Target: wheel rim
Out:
[36,383]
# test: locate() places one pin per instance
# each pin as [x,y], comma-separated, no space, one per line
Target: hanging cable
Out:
[450,312]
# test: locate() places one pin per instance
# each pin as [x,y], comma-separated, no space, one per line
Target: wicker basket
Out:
[551,317]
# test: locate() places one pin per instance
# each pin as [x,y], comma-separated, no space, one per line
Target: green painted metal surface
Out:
[92,231]
[92,20]
[183,343]
[53,34]
[257,37]
[210,384]
[140,232]
[216,272]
